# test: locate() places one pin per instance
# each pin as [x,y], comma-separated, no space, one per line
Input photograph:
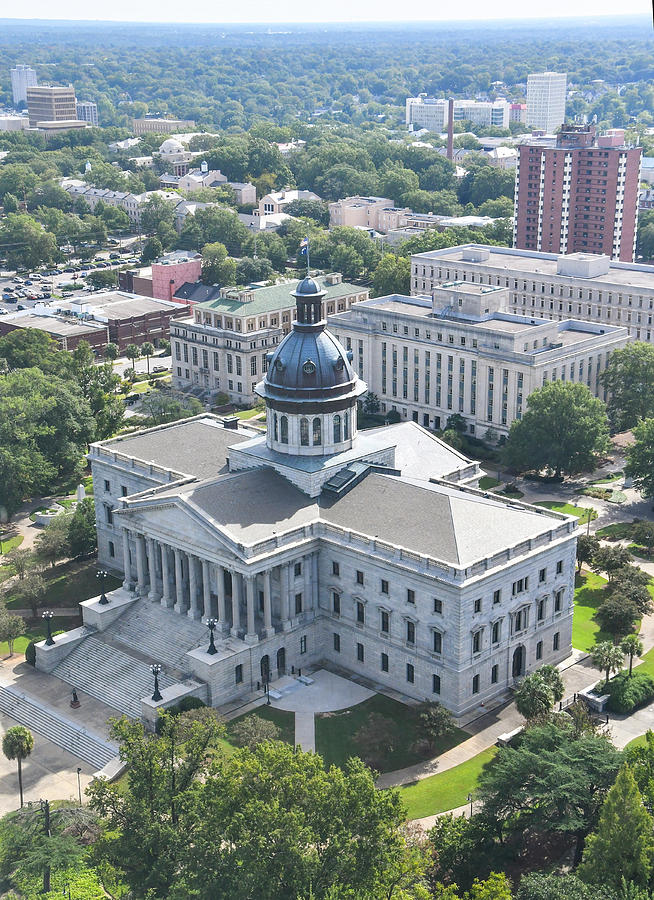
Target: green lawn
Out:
[616,476]
[512,493]
[284,720]
[70,583]
[568,508]
[445,790]
[335,733]
[619,531]
[639,741]
[37,632]
[10,543]
[588,596]
[248,413]
[486,483]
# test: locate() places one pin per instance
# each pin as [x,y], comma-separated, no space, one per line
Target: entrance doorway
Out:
[265,669]
[425,420]
[415,415]
[518,661]
[281,662]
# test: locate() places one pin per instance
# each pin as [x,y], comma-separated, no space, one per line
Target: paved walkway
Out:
[305,731]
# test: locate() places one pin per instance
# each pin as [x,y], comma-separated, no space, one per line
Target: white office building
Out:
[22,77]
[87,111]
[432,112]
[546,92]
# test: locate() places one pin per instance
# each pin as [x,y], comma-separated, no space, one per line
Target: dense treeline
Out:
[229,77]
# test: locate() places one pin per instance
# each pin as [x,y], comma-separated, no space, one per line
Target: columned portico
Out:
[141,566]
[179,582]
[206,590]
[153,550]
[194,607]
[222,606]
[128,584]
[166,597]
[267,603]
[251,635]
[236,604]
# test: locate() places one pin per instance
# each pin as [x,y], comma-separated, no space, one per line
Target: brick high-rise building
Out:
[47,103]
[578,196]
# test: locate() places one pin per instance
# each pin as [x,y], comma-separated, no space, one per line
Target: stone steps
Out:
[109,675]
[160,633]
[49,723]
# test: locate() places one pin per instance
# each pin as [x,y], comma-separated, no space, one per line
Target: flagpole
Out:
[307,257]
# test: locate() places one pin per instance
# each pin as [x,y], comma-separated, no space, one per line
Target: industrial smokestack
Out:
[450,129]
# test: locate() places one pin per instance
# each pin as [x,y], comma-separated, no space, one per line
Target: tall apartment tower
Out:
[546,100]
[87,111]
[580,196]
[22,77]
[51,104]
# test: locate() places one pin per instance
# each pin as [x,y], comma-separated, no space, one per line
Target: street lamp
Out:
[102,575]
[470,802]
[47,616]
[211,624]
[79,784]
[155,668]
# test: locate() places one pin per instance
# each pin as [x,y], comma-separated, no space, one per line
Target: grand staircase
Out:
[162,634]
[49,723]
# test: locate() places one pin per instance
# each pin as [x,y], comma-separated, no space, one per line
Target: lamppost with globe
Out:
[155,668]
[47,617]
[102,575]
[211,624]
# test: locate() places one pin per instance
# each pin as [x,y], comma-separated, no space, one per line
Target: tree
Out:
[374,739]
[156,214]
[564,428]
[52,543]
[632,590]
[30,592]
[434,722]
[623,844]
[610,560]
[166,407]
[29,244]
[152,249]
[461,849]
[217,268]
[21,561]
[392,275]
[631,646]
[82,536]
[540,886]
[553,781]
[534,697]
[607,657]
[396,182]
[17,744]
[496,887]
[249,270]
[11,627]
[629,380]
[309,209]
[346,260]
[102,279]
[587,547]
[616,615]
[640,458]
[254,730]
[132,352]
[147,350]
[111,352]
[643,535]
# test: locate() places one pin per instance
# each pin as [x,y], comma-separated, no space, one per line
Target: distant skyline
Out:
[336,11]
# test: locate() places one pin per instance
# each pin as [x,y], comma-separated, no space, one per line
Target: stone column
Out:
[166,599]
[140,566]
[179,582]
[314,581]
[128,584]
[267,603]
[194,608]
[236,603]
[153,547]
[307,568]
[284,578]
[220,592]
[206,590]
[251,635]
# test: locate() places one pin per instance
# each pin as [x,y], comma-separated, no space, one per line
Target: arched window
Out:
[337,429]
[283,422]
[304,432]
[346,426]
[275,429]
[317,432]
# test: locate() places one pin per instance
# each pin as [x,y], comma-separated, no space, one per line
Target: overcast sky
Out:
[279,11]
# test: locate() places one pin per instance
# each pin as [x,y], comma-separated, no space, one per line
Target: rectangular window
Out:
[438,642]
[410,596]
[555,641]
[542,576]
[410,633]
[123,490]
[497,596]
[539,650]
[384,586]
[541,610]
[107,486]
[298,604]
[360,652]
[337,642]
[438,606]
[478,605]
[435,684]
[303,644]
[253,365]
[384,662]
[336,603]
[110,515]
[238,674]
[494,674]
[476,642]
[194,351]
[112,549]
[496,632]
[559,567]
[359,577]
[360,612]
[336,569]
[475,684]
[297,569]
[385,621]
[558,601]
[410,673]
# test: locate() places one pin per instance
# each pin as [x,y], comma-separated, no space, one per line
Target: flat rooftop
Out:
[121,305]
[277,296]
[506,260]
[58,326]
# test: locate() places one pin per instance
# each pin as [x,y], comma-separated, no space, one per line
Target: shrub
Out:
[627,694]
[393,417]
[183,706]
[30,653]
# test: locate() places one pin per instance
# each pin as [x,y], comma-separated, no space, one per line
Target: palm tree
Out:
[18,743]
[147,350]
[132,352]
[607,657]
[632,646]
[111,352]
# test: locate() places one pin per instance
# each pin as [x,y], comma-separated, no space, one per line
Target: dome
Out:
[171,145]
[307,287]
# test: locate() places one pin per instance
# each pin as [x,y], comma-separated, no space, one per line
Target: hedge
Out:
[628,693]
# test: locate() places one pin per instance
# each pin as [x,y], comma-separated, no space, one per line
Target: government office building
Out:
[312,545]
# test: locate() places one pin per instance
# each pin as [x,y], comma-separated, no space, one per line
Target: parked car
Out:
[160,369]
[3,311]
[20,306]
[114,256]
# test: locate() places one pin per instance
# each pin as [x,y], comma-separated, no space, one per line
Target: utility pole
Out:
[45,806]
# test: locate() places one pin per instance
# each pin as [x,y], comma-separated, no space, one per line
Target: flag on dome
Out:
[304,245]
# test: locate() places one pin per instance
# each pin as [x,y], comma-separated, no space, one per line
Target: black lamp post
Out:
[47,616]
[155,668]
[79,784]
[211,624]
[102,575]
[470,802]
